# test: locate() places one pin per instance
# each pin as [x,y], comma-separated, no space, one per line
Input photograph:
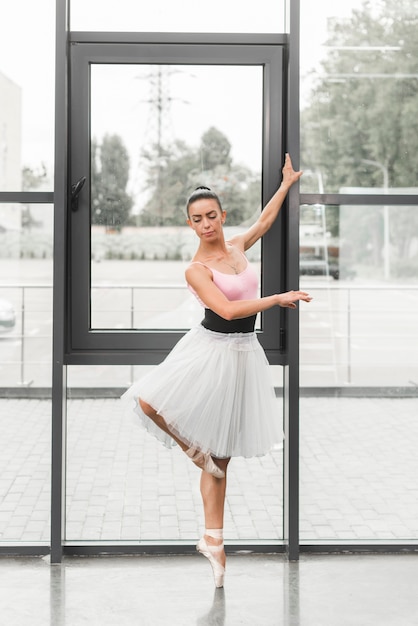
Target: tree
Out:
[168,179]
[361,126]
[364,106]
[33,179]
[174,171]
[215,149]
[111,204]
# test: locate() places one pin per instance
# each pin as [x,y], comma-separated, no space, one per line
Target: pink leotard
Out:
[242,286]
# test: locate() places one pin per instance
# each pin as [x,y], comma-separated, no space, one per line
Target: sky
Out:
[198,98]
[27,58]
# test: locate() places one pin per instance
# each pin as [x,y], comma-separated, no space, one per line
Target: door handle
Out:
[75,192]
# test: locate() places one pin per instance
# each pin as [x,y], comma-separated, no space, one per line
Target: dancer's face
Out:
[206,218]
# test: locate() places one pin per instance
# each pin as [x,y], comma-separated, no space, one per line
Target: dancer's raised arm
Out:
[270,211]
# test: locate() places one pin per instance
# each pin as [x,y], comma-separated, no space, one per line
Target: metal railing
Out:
[17,295]
[365,327]
[357,324]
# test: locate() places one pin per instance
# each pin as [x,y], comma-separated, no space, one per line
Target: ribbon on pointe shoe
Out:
[205,462]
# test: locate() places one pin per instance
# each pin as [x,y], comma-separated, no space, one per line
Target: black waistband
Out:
[213,321]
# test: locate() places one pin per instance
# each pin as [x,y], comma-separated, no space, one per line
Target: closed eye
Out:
[210,216]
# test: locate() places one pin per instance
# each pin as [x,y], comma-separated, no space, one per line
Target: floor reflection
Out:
[57,595]
[291,596]
[216,615]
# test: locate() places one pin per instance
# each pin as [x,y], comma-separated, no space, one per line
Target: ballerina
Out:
[213,395]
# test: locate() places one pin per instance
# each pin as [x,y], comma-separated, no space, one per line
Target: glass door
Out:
[149,123]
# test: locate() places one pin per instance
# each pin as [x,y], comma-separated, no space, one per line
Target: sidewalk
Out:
[358,476]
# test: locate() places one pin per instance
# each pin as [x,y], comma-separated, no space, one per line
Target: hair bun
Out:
[202,193]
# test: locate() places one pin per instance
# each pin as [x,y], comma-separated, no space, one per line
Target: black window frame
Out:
[150,346]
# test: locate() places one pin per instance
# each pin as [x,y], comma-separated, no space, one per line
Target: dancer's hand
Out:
[289,298]
[289,174]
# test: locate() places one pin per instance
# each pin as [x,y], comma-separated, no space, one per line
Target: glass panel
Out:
[161,132]
[358,96]
[358,263]
[25,476]
[27,52]
[235,16]
[358,469]
[25,371]
[26,295]
[359,364]
[123,485]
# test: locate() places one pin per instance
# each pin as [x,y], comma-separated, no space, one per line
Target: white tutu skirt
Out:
[215,392]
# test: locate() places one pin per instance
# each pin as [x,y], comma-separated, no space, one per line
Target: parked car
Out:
[7,316]
[316,266]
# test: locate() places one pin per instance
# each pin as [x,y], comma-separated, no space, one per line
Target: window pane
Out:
[124,485]
[25,372]
[27,52]
[162,132]
[166,16]
[358,469]
[25,476]
[359,97]
[26,295]
[358,263]
[358,373]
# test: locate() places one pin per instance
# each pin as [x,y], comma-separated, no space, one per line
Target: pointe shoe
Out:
[209,552]
[205,462]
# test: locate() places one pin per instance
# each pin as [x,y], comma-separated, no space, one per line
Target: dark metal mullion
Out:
[359,547]
[92,548]
[216,39]
[27,197]
[163,548]
[59,287]
[79,244]
[291,372]
[273,141]
[358,198]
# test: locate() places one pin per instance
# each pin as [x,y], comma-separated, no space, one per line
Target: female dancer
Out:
[213,395]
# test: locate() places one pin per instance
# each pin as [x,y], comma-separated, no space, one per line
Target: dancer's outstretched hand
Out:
[289,298]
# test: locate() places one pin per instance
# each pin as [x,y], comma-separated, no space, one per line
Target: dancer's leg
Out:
[160,422]
[213,492]
[203,460]
[213,495]
[211,545]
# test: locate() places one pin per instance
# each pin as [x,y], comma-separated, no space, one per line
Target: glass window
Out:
[25,371]
[27,96]
[358,366]
[358,372]
[358,263]
[358,97]
[124,485]
[357,469]
[26,264]
[163,131]
[166,16]
[25,476]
